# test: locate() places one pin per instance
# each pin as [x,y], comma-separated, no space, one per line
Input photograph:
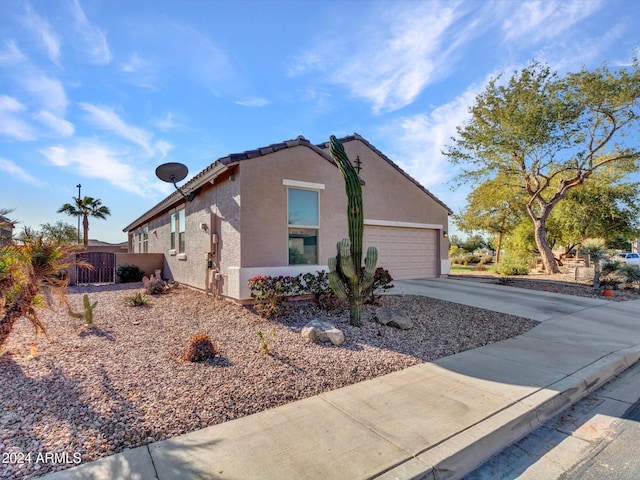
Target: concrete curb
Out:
[463,453]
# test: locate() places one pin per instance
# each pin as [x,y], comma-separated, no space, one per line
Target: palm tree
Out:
[31,268]
[84,208]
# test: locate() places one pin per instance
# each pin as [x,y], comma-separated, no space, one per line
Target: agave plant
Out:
[32,270]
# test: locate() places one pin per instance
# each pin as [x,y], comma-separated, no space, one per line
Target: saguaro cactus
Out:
[347,278]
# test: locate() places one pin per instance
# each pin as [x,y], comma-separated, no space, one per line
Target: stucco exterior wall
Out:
[264,205]
[390,196]
[215,210]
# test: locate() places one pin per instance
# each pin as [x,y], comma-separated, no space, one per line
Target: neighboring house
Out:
[100,246]
[281,209]
[635,245]
[6,229]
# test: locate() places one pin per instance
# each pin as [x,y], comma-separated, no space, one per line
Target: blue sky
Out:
[100,92]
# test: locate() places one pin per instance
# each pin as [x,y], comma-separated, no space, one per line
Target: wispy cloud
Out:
[11,54]
[43,30]
[389,57]
[539,20]
[11,123]
[107,119]
[104,117]
[92,39]
[13,170]
[420,139]
[92,159]
[49,91]
[58,126]
[253,102]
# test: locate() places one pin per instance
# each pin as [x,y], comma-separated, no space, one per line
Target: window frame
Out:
[178,232]
[300,186]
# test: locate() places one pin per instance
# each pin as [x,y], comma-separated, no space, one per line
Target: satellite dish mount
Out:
[173,172]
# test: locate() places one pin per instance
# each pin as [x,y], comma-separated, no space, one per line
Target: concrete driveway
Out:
[522,302]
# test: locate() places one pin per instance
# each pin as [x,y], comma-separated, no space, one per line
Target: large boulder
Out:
[322,331]
[393,318]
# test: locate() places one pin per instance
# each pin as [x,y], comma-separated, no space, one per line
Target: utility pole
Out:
[78,215]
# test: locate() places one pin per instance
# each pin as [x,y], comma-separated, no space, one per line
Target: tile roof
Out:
[232,158]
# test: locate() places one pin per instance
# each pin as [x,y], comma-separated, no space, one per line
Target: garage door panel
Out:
[405,252]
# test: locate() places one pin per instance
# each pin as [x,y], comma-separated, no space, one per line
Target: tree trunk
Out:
[18,308]
[85,229]
[548,260]
[500,240]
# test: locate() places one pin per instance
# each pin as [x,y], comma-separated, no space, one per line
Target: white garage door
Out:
[405,252]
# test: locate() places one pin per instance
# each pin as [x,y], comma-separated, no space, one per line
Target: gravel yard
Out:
[564,283]
[89,393]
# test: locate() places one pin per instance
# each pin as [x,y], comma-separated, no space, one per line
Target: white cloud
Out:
[49,91]
[55,124]
[92,159]
[420,139]
[49,39]
[539,20]
[13,170]
[253,102]
[11,55]
[105,118]
[166,123]
[11,123]
[389,57]
[92,39]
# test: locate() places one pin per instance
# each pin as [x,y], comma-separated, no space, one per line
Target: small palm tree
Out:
[595,248]
[31,269]
[84,208]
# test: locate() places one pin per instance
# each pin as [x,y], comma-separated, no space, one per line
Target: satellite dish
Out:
[173,172]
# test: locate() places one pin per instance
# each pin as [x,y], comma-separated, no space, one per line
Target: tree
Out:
[546,135]
[493,207]
[30,270]
[605,207]
[59,232]
[84,208]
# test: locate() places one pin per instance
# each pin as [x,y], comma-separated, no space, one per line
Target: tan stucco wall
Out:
[388,195]
[218,203]
[147,262]
[264,205]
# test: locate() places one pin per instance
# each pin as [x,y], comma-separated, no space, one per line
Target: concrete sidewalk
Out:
[434,420]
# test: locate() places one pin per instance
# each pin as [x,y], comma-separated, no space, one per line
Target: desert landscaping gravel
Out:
[90,393]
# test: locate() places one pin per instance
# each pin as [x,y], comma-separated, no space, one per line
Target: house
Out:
[281,209]
[6,230]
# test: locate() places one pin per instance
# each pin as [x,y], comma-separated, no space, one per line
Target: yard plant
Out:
[348,280]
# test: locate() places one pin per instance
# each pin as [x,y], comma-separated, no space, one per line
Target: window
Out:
[173,231]
[178,231]
[182,234]
[304,223]
[145,240]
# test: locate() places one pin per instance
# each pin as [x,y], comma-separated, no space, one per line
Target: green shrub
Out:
[316,284]
[630,274]
[271,292]
[510,266]
[486,259]
[471,258]
[381,283]
[137,300]
[129,273]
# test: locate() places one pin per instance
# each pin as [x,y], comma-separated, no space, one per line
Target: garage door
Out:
[405,252]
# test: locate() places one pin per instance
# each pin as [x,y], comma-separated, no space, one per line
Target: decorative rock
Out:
[393,318]
[320,331]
